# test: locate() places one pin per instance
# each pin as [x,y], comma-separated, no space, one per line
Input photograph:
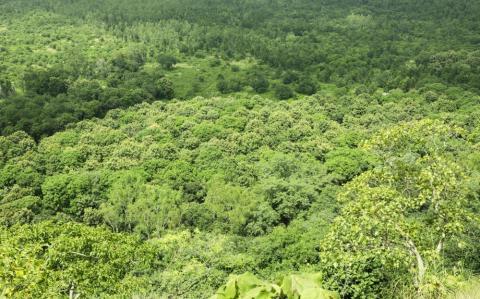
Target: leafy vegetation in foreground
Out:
[293,286]
[168,149]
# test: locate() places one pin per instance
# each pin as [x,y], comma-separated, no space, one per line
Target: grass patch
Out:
[470,291]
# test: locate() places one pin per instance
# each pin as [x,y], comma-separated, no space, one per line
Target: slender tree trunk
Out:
[421,268]
[72,294]
[440,244]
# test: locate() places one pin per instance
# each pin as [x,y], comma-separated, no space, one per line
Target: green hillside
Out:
[242,149]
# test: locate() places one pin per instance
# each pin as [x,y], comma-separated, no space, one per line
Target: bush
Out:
[306,87]
[293,287]
[164,89]
[290,77]
[6,87]
[216,62]
[228,86]
[283,92]
[167,61]
[58,258]
[259,83]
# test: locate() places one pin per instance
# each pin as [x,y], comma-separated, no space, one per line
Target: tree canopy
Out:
[314,149]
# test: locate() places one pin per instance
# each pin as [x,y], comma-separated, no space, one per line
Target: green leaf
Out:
[306,286]
[247,286]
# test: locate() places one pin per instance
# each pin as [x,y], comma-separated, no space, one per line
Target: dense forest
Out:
[240,149]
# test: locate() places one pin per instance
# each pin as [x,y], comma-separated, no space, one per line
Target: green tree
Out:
[227,86]
[283,92]
[288,197]
[52,81]
[397,218]
[306,86]
[164,89]
[231,206]
[345,163]
[50,259]
[259,83]
[6,88]
[85,90]
[123,193]
[130,60]
[156,209]
[290,77]
[167,61]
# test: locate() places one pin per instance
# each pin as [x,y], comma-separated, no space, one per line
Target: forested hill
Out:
[239,149]
[70,60]
[249,13]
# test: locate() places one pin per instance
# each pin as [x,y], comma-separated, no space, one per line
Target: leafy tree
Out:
[123,193]
[290,77]
[85,90]
[164,89]
[129,60]
[345,163]
[283,92]
[155,210]
[66,259]
[20,211]
[288,198]
[259,83]
[6,88]
[306,86]
[231,206]
[73,193]
[53,81]
[228,86]
[223,86]
[261,221]
[398,218]
[15,145]
[167,61]
[215,62]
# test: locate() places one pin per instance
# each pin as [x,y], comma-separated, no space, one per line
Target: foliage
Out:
[54,259]
[306,286]
[247,286]
[259,83]
[283,92]
[293,287]
[270,44]
[167,61]
[397,219]
[137,158]
[306,86]
[52,81]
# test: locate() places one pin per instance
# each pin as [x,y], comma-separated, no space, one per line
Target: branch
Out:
[83,255]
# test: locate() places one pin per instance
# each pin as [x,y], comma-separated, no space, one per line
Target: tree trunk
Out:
[440,244]
[421,268]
